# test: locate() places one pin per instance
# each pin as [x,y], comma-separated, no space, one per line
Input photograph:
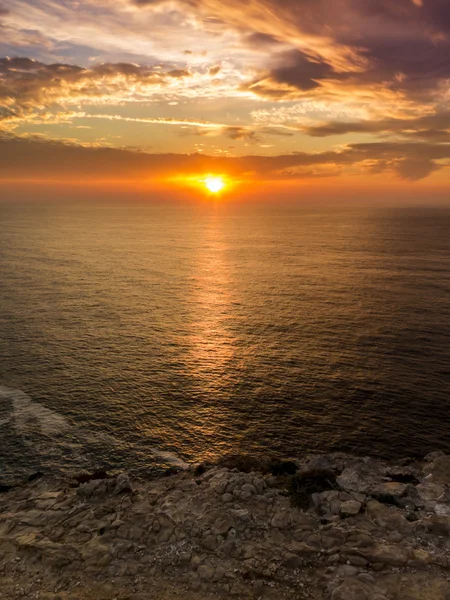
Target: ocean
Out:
[135,336]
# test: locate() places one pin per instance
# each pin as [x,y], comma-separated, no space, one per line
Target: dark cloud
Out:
[293,72]
[35,158]
[261,40]
[435,127]
[415,169]
[241,133]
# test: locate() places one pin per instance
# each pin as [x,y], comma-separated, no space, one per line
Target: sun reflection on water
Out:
[212,346]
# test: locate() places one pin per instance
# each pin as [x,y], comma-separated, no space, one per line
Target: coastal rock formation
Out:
[332,527]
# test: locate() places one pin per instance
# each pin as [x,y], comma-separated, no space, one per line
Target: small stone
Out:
[366,578]
[391,490]
[209,542]
[439,469]
[226,498]
[165,534]
[344,496]
[357,561]
[123,485]
[249,488]
[222,526]
[314,540]
[358,497]
[359,539]
[420,559]
[185,557]
[395,537]
[335,507]
[350,508]
[206,572]
[352,589]
[228,547]
[292,561]
[248,551]
[219,573]
[348,571]
[333,559]
[395,556]
[258,587]
[281,520]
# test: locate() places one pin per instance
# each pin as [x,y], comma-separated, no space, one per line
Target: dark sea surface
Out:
[137,335]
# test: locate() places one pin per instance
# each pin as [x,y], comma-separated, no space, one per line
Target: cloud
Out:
[415,169]
[294,72]
[27,85]
[261,41]
[432,127]
[213,71]
[403,44]
[241,133]
[46,159]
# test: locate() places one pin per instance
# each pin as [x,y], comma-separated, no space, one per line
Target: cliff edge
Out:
[332,527]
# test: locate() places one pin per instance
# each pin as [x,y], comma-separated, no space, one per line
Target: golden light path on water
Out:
[212,348]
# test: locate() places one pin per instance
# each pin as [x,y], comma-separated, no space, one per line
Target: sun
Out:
[214,183]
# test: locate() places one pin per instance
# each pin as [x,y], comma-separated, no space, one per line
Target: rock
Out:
[281,520]
[123,485]
[292,561]
[249,489]
[335,507]
[195,562]
[395,537]
[345,496]
[222,525]
[165,534]
[350,508]
[347,571]
[333,538]
[420,559]
[361,498]
[95,488]
[394,556]
[219,573]
[357,561]
[359,539]
[258,587]
[351,481]
[301,548]
[385,516]
[209,542]
[354,589]
[206,572]
[248,551]
[87,477]
[363,476]
[389,492]
[366,578]
[438,470]
[436,525]
[177,533]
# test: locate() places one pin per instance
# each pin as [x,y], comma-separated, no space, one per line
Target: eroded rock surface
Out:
[359,529]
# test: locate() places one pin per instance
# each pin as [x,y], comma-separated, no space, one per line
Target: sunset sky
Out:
[292,91]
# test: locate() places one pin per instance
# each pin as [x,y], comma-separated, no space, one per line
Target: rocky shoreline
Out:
[335,527]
